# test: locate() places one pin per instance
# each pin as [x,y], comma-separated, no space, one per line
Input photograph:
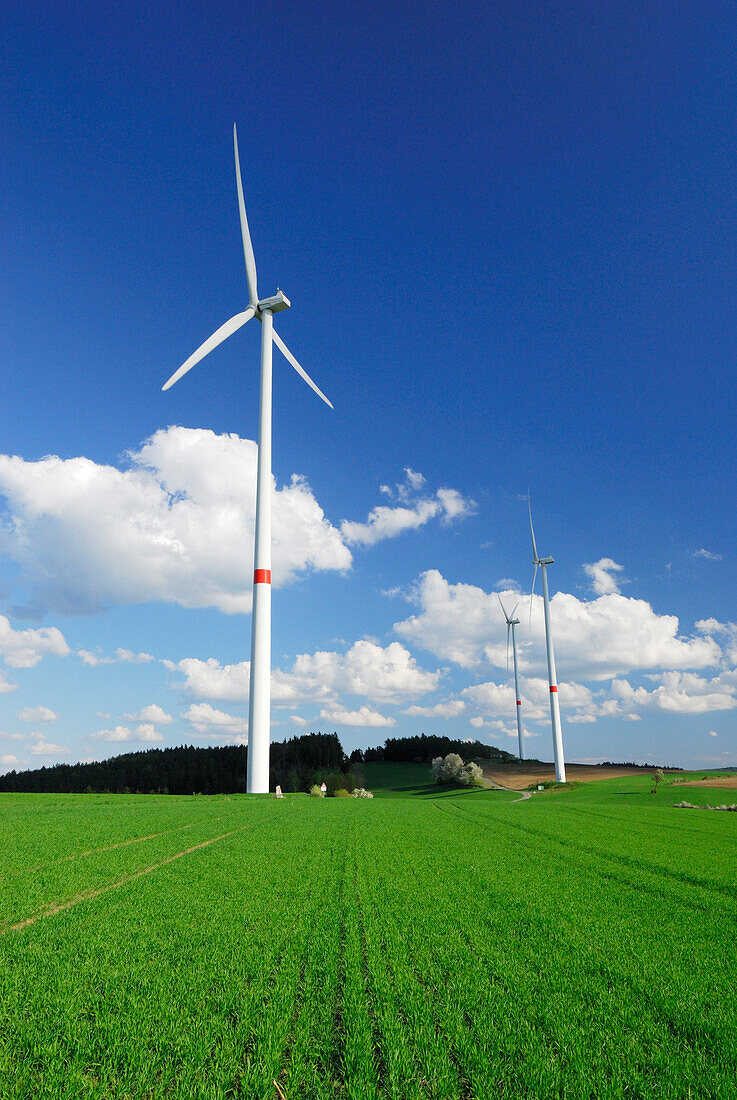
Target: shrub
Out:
[315,791]
[450,769]
[470,775]
[336,780]
[446,769]
[342,793]
[361,792]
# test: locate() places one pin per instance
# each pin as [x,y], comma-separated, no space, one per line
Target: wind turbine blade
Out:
[222,333]
[502,607]
[514,609]
[532,530]
[302,373]
[509,627]
[532,590]
[247,246]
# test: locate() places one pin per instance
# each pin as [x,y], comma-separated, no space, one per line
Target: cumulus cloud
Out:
[383,674]
[600,573]
[727,632]
[176,525]
[7,760]
[25,648]
[409,513]
[147,732]
[451,709]
[175,522]
[127,656]
[6,686]
[206,719]
[37,714]
[151,713]
[708,555]
[144,732]
[364,716]
[676,692]
[47,748]
[594,639]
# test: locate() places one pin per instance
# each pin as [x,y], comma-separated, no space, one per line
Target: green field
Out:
[580,943]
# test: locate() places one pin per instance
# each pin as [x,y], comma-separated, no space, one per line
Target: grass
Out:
[433,944]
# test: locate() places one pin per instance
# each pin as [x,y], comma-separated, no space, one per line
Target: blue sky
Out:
[508,235]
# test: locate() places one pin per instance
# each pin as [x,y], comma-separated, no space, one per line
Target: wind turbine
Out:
[560,764]
[511,624]
[259,705]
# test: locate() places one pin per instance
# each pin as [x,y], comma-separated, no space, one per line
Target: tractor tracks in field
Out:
[105,848]
[89,895]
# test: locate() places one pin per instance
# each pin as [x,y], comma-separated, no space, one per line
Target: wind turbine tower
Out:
[560,764]
[511,624]
[259,704]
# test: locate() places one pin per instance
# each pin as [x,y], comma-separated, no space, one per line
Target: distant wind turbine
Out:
[560,764]
[259,706]
[511,624]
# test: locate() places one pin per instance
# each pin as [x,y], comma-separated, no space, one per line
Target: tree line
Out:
[425,748]
[295,764]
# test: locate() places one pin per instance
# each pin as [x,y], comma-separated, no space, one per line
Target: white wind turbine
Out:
[511,624]
[259,706]
[560,764]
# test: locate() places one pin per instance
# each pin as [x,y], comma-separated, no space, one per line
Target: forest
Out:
[295,765]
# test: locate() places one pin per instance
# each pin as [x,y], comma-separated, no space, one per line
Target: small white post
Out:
[259,704]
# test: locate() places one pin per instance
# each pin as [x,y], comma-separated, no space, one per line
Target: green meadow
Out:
[424,944]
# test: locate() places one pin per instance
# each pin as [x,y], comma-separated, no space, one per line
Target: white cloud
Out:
[207,719]
[687,693]
[364,716]
[7,760]
[37,714]
[25,648]
[118,733]
[298,721]
[680,693]
[383,674]
[128,656]
[713,733]
[594,639]
[6,686]
[211,680]
[600,572]
[147,732]
[727,631]
[451,709]
[151,713]
[176,525]
[93,660]
[47,748]
[386,522]
[707,554]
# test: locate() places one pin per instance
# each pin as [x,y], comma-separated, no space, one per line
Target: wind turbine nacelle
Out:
[276,304]
[546,561]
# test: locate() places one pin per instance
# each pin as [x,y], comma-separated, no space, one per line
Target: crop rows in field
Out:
[577,945]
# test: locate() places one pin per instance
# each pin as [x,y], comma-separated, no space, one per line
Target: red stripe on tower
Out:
[262,576]
[553,687]
[519,702]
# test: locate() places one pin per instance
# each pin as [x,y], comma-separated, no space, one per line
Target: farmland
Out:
[430,944]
